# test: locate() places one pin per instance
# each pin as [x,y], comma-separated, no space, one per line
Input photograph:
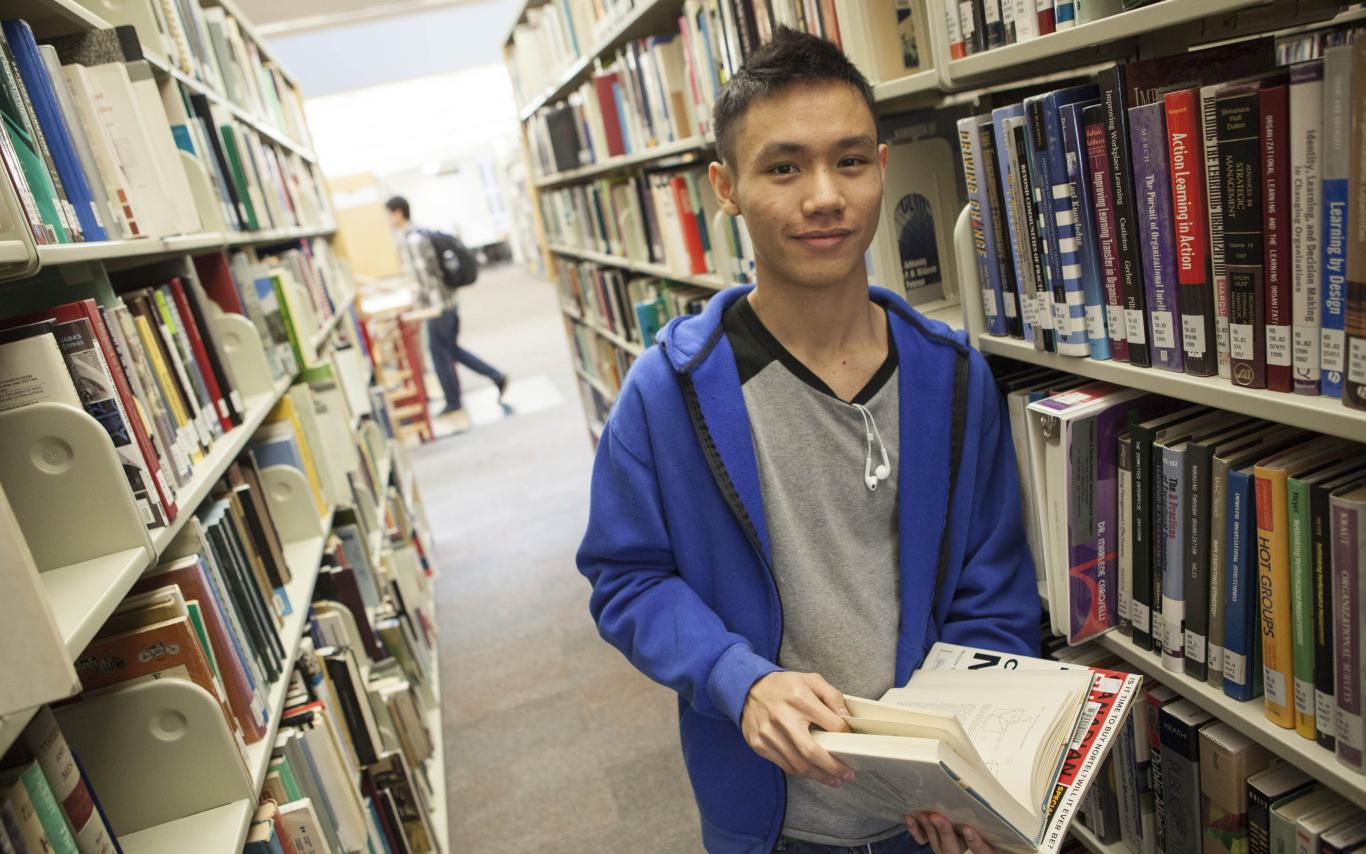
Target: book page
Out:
[1011,733]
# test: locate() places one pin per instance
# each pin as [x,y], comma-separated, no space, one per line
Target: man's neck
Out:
[837,332]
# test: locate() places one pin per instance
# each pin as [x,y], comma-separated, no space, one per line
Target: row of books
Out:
[140,353]
[98,148]
[1190,213]
[631,307]
[667,218]
[552,36]
[1227,545]
[208,43]
[1180,781]
[975,26]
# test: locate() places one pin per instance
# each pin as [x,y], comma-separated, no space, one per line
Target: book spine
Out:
[1240,170]
[45,741]
[1274,108]
[1214,204]
[1180,785]
[1064,14]
[957,46]
[1084,228]
[994,218]
[1173,567]
[1192,248]
[1258,821]
[1242,643]
[1004,138]
[1195,547]
[1033,226]
[1130,812]
[1273,593]
[1140,608]
[1321,545]
[1044,11]
[987,276]
[1217,482]
[972,21]
[1152,196]
[1306,147]
[1106,246]
[1060,234]
[1349,540]
[1132,293]
[1354,389]
[1124,533]
[1301,605]
[1156,778]
[995,23]
[1337,137]
[49,813]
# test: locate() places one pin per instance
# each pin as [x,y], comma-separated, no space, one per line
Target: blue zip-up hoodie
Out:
[677,548]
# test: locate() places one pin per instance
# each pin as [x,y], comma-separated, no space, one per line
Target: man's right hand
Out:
[777,719]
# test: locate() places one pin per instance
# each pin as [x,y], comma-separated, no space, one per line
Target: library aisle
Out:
[553,741]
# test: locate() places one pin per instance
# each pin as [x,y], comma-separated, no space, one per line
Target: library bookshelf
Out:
[973,85]
[81,545]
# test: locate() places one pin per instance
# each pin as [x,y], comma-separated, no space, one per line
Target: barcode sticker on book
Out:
[1088,715]
[1240,340]
[1304,697]
[1306,346]
[1356,360]
[1095,323]
[1277,345]
[1138,615]
[1164,332]
[1195,646]
[1273,686]
[1235,667]
[1332,348]
[1193,334]
[1134,324]
[1114,316]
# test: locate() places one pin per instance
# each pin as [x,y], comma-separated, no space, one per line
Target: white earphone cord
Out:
[871,476]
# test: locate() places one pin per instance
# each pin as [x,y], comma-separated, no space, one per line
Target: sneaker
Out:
[454,421]
[502,388]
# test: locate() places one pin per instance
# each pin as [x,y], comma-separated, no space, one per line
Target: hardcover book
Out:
[1153,200]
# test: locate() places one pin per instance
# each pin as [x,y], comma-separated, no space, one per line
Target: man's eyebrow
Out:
[775,149]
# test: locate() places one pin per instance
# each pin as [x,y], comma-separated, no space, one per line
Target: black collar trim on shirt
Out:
[755,327]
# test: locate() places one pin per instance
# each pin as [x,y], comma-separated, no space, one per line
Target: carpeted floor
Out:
[553,741]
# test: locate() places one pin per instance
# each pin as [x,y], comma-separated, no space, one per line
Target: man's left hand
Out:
[943,838]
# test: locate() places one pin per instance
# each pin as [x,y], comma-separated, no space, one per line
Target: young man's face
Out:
[807,176]
[397,219]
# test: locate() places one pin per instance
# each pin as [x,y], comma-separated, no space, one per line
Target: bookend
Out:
[205,202]
[969,281]
[18,252]
[291,504]
[156,751]
[246,360]
[77,506]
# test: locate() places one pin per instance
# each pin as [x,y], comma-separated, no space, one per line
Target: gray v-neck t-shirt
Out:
[833,541]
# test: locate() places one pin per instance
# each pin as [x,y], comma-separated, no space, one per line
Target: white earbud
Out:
[871,476]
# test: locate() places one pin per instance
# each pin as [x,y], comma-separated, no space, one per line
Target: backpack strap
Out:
[959,414]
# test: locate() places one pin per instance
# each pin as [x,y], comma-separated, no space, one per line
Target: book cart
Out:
[973,82]
[158,755]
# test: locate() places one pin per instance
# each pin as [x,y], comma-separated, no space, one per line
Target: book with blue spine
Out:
[1084,217]
[1011,204]
[988,266]
[1153,198]
[1064,14]
[1062,260]
[1242,635]
[1337,138]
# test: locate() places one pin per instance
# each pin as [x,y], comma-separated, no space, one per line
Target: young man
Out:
[805,486]
[444,329]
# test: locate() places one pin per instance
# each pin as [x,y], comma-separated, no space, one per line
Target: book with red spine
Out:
[131,443]
[1047,20]
[697,258]
[1274,103]
[189,322]
[603,85]
[216,277]
[1187,167]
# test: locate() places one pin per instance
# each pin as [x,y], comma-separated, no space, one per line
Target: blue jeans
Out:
[902,843]
[442,333]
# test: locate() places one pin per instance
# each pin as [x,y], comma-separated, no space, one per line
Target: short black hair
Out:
[791,56]
[400,204]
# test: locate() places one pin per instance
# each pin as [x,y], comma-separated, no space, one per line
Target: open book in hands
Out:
[999,750]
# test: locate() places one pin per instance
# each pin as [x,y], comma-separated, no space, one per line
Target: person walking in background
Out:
[443,331]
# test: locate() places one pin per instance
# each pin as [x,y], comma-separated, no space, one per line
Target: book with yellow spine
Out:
[284,416]
[185,434]
[1273,571]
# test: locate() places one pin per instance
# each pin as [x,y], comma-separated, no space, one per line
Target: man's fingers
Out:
[819,713]
[976,844]
[948,837]
[917,832]
[829,695]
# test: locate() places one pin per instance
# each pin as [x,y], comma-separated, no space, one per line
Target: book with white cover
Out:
[303,828]
[925,746]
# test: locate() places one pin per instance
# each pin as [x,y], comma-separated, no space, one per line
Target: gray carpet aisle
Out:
[553,741]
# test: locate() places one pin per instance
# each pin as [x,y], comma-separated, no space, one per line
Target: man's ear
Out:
[882,152]
[723,184]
